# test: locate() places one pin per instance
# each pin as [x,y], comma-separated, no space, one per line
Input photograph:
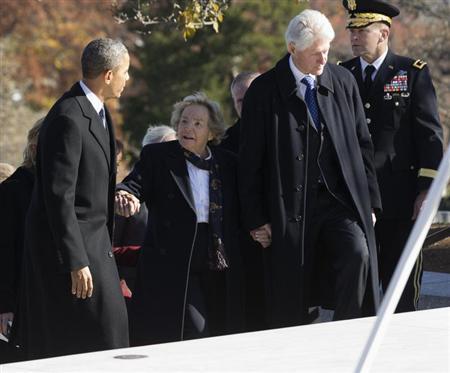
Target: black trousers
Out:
[206,299]
[334,236]
[392,235]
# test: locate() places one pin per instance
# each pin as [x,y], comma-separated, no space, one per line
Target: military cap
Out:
[365,12]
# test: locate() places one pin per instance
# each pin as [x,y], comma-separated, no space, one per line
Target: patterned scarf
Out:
[217,258]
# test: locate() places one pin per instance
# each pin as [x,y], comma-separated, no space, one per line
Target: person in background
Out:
[6,170]
[70,299]
[15,196]
[307,181]
[255,315]
[402,115]
[189,281]
[238,87]
[129,232]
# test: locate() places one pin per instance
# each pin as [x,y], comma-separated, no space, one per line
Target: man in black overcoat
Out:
[402,115]
[71,300]
[307,179]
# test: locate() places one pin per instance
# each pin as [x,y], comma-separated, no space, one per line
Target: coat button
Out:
[300,128]
[110,254]
[298,218]
[411,167]
[367,105]
[300,157]
[368,120]
[396,103]
[298,188]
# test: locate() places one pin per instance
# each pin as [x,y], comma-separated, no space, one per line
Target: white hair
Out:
[307,27]
[157,134]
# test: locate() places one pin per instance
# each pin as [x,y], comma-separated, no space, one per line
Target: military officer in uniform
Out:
[402,115]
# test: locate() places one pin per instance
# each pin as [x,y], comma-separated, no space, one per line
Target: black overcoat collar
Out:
[288,88]
[178,169]
[104,139]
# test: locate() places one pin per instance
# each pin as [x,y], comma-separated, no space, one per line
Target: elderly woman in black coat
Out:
[189,273]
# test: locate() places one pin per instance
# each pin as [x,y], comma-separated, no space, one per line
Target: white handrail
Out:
[405,264]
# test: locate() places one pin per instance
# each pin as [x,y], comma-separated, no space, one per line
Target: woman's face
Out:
[193,131]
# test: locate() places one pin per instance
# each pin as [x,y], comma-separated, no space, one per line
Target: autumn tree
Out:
[251,37]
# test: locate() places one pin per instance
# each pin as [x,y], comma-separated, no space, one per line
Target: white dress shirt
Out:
[93,99]
[199,180]
[377,63]
[298,75]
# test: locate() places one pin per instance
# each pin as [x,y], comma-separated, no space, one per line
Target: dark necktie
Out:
[368,78]
[101,114]
[311,100]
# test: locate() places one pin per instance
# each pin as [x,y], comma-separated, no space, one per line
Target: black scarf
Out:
[217,258]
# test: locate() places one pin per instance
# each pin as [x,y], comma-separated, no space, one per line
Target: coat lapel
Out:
[95,124]
[179,172]
[325,91]
[357,73]
[112,140]
[288,89]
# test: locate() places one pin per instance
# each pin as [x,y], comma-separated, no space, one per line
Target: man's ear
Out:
[108,76]
[384,33]
[291,47]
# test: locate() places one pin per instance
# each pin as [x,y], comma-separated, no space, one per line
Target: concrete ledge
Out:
[415,341]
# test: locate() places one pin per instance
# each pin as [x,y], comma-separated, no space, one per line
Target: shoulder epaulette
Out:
[419,64]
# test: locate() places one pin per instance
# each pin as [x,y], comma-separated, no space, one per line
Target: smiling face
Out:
[311,60]
[193,131]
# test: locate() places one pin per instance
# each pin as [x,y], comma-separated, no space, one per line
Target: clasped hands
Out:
[263,235]
[126,204]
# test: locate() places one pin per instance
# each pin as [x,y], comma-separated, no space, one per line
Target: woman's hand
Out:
[5,318]
[263,235]
[126,204]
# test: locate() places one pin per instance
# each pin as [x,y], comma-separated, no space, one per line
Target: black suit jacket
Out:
[274,178]
[161,179]
[69,226]
[404,123]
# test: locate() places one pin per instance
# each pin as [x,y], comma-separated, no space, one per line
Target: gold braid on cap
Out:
[364,19]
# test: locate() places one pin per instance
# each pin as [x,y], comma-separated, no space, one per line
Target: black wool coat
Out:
[161,179]
[403,119]
[69,226]
[15,195]
[273,180]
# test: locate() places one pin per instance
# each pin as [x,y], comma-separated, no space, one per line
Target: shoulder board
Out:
[419,64]
[338,63]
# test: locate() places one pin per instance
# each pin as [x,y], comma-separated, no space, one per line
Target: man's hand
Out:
[263,235]
[126,204]
[4,319]
[420,200]
[82,284]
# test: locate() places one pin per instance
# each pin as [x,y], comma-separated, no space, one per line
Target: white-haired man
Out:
[307,180]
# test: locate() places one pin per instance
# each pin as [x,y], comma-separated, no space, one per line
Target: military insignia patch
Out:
[351,4]
[399,83]
[419,64]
